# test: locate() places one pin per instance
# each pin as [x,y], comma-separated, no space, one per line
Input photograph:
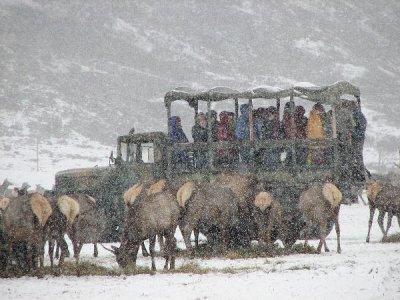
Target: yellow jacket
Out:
[315,126]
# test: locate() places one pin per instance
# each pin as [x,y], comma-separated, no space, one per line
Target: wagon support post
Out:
[209,137]
[293,127]
[251,130]
[336,160]
[169,153]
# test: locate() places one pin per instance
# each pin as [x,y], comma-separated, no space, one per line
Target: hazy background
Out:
[76,74]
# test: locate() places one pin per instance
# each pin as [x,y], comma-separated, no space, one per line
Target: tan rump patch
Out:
[156,187]
[263,200]
[332,194]
[40,207]
[4,202]
[69,207]
[185,192]
[131,194]
[373,190]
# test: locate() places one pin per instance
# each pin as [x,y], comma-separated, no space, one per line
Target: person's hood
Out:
[244,110]
[172,122]
[300,111]
[224,117]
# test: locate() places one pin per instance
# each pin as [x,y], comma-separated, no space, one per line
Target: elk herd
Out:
[226,208]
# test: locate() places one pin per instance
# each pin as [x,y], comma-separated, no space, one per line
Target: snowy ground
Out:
[362,271]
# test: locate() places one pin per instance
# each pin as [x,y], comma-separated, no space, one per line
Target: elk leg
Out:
[144,250]
[170,244]
[371,219]
[389,222]
[398,219]
[268,235]
[79,248]
[40,253]
[30,256]
[172,253]
[381,216]
[196,237]
[57,255]
[326,247]
[134,254]
[186,232]
[308,233]
[95,250]
[152,250]
[161,243]
[51,252]
[63,247]
[9,255]
[322,235]
[337,228]
[223,245]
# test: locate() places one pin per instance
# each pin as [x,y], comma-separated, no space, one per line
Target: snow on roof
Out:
[326,94]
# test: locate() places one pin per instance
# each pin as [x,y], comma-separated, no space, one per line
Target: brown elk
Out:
[318,203]
[76,215]
[385,198]
[208,208]
[24,219]
[152,210]
[267,214]
[244,187]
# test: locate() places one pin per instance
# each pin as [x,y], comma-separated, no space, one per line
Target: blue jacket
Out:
[243,125]
[176,132]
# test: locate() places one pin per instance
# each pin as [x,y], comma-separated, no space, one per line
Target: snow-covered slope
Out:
[97,68]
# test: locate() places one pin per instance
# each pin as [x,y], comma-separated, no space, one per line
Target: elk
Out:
[318,203]
[151,210]
[24,219]
[267,213]
[207,208]
[244,187]
[76,215]
[385,198]
[130,196]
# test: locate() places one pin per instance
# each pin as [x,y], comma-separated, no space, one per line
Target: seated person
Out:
[316,130]
[178,136]
[271,130]
[243,132]
[226,133]
[200,135]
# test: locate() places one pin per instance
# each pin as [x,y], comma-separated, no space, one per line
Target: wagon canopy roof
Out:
[324,94]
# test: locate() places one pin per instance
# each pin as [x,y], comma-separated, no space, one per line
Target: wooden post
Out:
[169,150]
[336,159]
[334,128]
[236,109]
[278,107]
[293,127]
[209,139]
[251,120]
[196,110]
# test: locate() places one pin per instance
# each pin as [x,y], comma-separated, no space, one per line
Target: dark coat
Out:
[176,132]
[178,136]
[225,133]
[360,126]
[199,134]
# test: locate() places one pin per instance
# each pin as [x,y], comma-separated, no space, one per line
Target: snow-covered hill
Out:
[94,69]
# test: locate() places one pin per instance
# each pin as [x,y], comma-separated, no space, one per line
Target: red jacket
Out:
[225,133]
